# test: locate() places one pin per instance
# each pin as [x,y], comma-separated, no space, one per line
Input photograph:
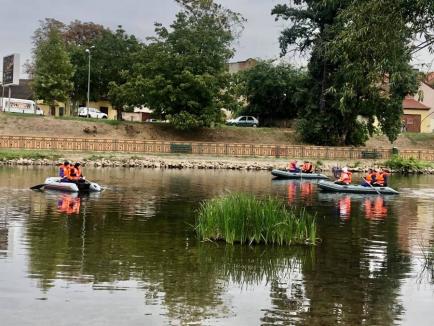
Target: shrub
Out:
[405,165]
[242,218]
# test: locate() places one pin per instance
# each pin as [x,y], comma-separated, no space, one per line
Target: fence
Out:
[202,148]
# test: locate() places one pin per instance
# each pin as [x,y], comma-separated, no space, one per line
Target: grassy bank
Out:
[406,165]
[244,219]
[14,154]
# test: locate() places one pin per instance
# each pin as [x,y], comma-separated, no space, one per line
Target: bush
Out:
[243,218]
[405,165]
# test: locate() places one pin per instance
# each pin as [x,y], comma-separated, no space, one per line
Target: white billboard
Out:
[11,69]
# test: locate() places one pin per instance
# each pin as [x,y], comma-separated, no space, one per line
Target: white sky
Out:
[259,39]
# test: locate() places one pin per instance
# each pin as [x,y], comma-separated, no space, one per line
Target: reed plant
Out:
[242,218]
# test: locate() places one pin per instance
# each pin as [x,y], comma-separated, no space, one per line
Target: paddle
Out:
[378,192]
[37,187]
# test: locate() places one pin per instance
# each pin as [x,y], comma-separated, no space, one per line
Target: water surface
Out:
[129,255]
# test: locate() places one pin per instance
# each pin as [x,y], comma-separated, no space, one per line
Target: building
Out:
[415,118]
[419,109]
[234,67]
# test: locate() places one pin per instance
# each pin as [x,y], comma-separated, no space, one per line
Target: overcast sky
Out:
[21,17]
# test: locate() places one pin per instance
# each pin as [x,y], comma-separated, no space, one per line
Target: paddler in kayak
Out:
[345,178]
[292,167]
[307,167]
[64,171]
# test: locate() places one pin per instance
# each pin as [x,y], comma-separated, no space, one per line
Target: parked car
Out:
[243,121]
[91,113]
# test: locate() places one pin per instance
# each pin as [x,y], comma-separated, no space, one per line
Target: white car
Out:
[91,113]
[243,121]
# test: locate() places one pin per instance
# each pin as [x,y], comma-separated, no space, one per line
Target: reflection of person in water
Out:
[344,207]
[306,190]
[69,204]
[375,209]
[292,192]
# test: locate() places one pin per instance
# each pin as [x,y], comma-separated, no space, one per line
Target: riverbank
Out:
[179,161]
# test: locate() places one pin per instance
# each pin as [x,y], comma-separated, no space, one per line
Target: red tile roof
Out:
[412,104]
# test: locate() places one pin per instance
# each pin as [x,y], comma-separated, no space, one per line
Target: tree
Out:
[182,73]
[272,91]
[359,64]
[53,70]
[113,56]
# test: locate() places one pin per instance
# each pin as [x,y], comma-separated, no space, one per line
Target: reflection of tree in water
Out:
[161,253]
[355,279]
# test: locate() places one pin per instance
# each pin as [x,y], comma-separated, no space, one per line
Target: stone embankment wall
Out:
[193,163]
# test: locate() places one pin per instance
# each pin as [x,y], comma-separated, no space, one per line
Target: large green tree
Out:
[272,91]
[182,73]
[359,65]
[53,70]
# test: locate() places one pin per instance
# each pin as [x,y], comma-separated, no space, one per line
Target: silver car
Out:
[243,121]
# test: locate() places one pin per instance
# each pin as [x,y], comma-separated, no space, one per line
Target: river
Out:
[129,255]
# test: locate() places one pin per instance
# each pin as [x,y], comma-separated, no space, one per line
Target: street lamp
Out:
[88,79]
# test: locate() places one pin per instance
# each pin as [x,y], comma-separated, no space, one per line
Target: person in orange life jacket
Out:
[293,167]
[307,167]
[64,170]
[380,179]
[345,178]
[75,173]
[368,179]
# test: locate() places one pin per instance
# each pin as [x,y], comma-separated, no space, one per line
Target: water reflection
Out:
[69,204]
[133,247]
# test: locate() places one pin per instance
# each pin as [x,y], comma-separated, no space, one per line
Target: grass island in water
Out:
[242,218]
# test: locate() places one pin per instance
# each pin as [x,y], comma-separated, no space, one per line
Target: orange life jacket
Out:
[307,167]
[64,171]
[292,166]
[346,177]
[369,177]
[379,179]
[74,173]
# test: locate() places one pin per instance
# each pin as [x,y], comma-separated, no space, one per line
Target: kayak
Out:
[355,189]
[282,174]
[55,183]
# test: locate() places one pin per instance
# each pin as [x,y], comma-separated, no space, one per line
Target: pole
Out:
[3,94]
[88,83]
[9,102]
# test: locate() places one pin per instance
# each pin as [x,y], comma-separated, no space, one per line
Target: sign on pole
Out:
[11,70]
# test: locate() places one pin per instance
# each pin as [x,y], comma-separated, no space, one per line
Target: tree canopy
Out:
[53,70]
[181,73]
[272,91]
[359,67]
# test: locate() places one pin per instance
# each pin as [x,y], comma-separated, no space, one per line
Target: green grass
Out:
[11,154]
[242,218]
[106,121]
[405,165]
[418,136]
[23,115]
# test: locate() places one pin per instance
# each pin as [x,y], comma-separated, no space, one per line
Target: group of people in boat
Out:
[71,172]
[306,167]
[374,178]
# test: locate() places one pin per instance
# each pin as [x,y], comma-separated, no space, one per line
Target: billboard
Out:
[11,69]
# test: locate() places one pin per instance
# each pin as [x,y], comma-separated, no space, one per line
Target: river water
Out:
[129,255]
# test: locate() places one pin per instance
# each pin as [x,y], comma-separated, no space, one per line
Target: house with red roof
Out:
[419,109]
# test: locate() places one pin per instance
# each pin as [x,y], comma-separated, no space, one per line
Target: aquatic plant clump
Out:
[242,218]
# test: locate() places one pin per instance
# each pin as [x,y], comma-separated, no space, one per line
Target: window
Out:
[250,119]
[52,111]
[104,109]
[61,112]
[243,119]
